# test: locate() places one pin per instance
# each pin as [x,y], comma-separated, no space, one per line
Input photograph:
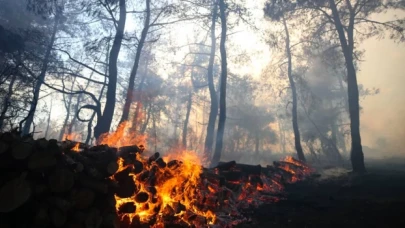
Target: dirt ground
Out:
[339,199]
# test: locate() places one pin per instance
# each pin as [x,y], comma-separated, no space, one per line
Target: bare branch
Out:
[80,63]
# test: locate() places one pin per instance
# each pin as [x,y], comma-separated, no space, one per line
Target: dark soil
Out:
[376,199]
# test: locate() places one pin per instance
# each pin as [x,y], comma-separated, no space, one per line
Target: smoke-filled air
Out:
[144,113]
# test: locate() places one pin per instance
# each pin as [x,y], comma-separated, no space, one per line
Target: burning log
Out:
[138,167]
[126,187]
[128,150]
[127,208]
[61,180]
[226,165]
[174,164]
[161,163]
[249,169]
[141,197]
[232,175]
[73,185]
[153,158]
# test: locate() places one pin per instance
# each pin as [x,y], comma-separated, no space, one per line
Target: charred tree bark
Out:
[209,138]
[129,97]
[347,44]
[297,137]
[103,125]
[185,126]
[222,99]
[41,78]
[6,101]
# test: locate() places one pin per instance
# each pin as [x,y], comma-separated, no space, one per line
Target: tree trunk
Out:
[76,109]
[6,101]
[222,99]
[185,126]
[147,119]
[103,125]
[63,130]
[89,126]
[356,156]
[40,79]
[139,97]
[49,120]
[129,97]
[297,137]
[209,138]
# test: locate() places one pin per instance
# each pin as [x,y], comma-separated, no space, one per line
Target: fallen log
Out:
[249,169]
[61,180]
[41,160]
[128,150]
[14,193]
[21,150]
[3,147]
[226,165]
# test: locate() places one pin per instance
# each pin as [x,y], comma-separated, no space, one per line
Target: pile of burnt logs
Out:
[46,183]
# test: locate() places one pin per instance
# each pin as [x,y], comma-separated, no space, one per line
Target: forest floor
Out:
[339,199]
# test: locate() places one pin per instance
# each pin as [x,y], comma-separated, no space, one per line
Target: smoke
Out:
[382,119]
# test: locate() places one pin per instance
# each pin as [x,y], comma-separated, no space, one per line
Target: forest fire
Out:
[183,192]
[117,185]
[176,189]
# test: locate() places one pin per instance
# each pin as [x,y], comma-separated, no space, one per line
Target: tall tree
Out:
[104,124]
[275,11]
[41,77]
[209,138]
[297,137]
[185,125]
[131,84]
[222,98]
[347,44]
[348,21]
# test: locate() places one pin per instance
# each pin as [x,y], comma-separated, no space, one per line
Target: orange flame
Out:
[76,148]
[181,189]
[123,137]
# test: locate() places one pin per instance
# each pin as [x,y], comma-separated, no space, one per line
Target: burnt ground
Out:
[339,199]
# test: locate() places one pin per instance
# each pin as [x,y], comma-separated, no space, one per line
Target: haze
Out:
[169,100]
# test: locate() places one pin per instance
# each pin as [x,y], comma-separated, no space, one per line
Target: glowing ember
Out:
[168,190]
[176,189]
[182,191]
